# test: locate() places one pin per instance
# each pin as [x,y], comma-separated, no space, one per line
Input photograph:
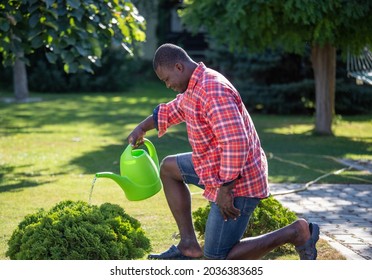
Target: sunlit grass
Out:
[291,129]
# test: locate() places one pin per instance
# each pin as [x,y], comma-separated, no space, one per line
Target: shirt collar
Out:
[196,75]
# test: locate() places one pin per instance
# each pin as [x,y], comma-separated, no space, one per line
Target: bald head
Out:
[168,55]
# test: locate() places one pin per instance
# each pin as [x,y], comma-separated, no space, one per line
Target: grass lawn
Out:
[50,151]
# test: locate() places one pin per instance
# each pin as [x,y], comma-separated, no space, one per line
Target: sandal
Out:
[308,250]
[173,253]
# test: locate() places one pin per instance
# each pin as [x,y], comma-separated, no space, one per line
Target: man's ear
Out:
[179,67]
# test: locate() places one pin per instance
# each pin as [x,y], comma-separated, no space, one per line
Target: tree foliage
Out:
[74,31]
[291,25]
[288,24]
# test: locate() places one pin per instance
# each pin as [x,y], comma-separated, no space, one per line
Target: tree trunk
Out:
[20,83]
[323,59]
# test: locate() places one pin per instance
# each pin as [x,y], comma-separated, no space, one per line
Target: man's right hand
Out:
[136,137]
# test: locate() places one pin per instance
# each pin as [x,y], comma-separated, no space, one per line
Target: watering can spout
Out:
[120,180]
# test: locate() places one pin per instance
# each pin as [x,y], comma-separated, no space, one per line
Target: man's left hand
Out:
[225,201]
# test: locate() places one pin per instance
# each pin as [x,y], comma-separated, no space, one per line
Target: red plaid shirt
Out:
[224,141]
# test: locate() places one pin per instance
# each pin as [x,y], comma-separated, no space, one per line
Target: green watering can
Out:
[139,171]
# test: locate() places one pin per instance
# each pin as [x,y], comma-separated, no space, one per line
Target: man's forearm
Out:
[136,136]
[147,124]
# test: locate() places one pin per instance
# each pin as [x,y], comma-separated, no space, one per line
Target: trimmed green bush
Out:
[268,216]
[78,231]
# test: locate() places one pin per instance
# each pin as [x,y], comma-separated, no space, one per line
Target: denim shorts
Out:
[220,235]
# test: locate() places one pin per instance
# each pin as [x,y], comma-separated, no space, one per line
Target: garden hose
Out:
[308,184]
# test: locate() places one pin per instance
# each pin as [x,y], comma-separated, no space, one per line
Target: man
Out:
[227,161]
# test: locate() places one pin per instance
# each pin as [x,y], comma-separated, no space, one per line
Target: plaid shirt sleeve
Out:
[169,114]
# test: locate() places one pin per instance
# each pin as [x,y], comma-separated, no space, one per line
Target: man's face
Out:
[173,77]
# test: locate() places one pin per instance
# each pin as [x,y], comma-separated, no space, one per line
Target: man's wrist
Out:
[228,184]
[231,183]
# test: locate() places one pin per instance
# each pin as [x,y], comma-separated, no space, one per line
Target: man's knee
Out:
[169,167]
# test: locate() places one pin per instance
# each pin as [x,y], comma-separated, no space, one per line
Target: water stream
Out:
[91,190]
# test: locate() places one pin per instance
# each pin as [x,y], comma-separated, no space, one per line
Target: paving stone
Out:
[348,238]
[343,212]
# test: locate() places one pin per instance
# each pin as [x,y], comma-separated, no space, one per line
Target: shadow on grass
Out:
[22,184]
[305,143]
[71,112]
[73,109]
[22,180]
[105,159]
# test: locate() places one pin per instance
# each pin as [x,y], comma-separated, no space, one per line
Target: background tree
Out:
[325,26]
[74,31]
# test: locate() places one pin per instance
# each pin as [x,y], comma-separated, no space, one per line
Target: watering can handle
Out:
[152,152]
[151,149]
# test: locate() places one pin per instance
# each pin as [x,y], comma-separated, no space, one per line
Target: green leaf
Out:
[63,23]
[52,57]
[34,20]
[97,62]
[74,3]
[32,1]
[90,28]
[4,25]
[139,35]
[56,49]
[61,10]
[70,40]
[33,32]
[52,35]
[82,51]
[32,8]
[111,32]
[86,65]
[70,67]
[37,42]
[67,56]
[8,61]
[49,39]
[96,47]
[72,22]
[17,46]
[78,14]
[51,24]
[49,3]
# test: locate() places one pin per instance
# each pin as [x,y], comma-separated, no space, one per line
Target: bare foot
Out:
[190,249]
[302,232]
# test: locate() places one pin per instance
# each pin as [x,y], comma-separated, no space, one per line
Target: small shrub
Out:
[268,216]
[78,231]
